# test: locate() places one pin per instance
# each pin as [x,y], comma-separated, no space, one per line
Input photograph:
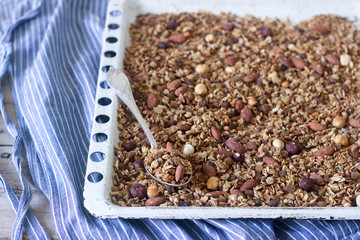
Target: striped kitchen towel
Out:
[51,50]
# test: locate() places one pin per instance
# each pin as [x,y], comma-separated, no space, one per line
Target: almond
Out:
[223,153]
[251,77]
[238,106]
[246,114]
[319,180]
[332,59]
[236,192]
[322,29]
[140,76]
[216,133]
[183,126]
[318,67]
[209,170]
[152,100]
[154,127]
[231,61]
[316,126]
[354,122]
[298,62]
[277,49]
[215,193]
[169,147]
[155,201]
[325,151]
[174,84]
[181,90]
[248,185]
[284,62]
[269,161]
[234,145]
[179,173]
[178,38]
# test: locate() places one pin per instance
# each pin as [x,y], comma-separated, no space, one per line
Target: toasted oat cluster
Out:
[266,113]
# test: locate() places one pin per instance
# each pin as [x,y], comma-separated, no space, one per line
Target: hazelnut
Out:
[213,183]
[138,190]
[252,101]
[200,89]
[341,140]
[152,191]
[293,147]
[202,69]
[277,143]
[188,149]
[345,59]
[339,122]
[209,38]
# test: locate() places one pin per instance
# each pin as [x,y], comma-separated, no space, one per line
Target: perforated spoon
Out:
[120,84]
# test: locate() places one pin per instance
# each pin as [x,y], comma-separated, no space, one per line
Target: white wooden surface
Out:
[39,205]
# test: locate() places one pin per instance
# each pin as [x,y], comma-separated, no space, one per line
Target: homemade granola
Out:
[261,112]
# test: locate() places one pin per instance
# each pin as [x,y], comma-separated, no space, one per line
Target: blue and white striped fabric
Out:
[51,51]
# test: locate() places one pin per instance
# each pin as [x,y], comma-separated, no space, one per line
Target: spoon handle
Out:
[119,82]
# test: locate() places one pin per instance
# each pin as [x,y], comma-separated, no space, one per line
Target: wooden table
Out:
[39,205]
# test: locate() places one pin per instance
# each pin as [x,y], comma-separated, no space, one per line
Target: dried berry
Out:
[138,164]
[171,26]
[293,147]
[307,183]
[138,190]
[266,31]
[238,157]
[130,145]
[163,45]
[229,26]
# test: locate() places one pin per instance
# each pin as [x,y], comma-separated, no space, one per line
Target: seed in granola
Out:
[209,170]
[209,38]
[322,29]
[298,62]
[316,126]
[178,38]
[318,67]
[233,144]
[138,164]
[202,69]
[163,45]
[251,77]
[152,100]
[171,26]
[138,190]
[152,191]
[277,143]
[332,59]
[200,89]
[339,122]
[231,61]
[293,147]
[345,59]
[188,149]
[341,140]
[229,26]
[246,114]
[284,62]
[213,183]
[130,145]
[354,122]
[354,175]
[238,157]
[274,201]
[307,183]
[266,31]
[179,173]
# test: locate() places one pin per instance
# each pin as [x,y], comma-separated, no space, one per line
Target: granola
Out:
[266,112]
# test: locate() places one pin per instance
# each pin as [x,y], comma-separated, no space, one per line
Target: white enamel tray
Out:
[104,136]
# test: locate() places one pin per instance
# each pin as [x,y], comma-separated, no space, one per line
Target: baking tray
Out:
[104,135]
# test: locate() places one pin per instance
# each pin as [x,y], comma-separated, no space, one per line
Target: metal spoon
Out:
[120,84]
